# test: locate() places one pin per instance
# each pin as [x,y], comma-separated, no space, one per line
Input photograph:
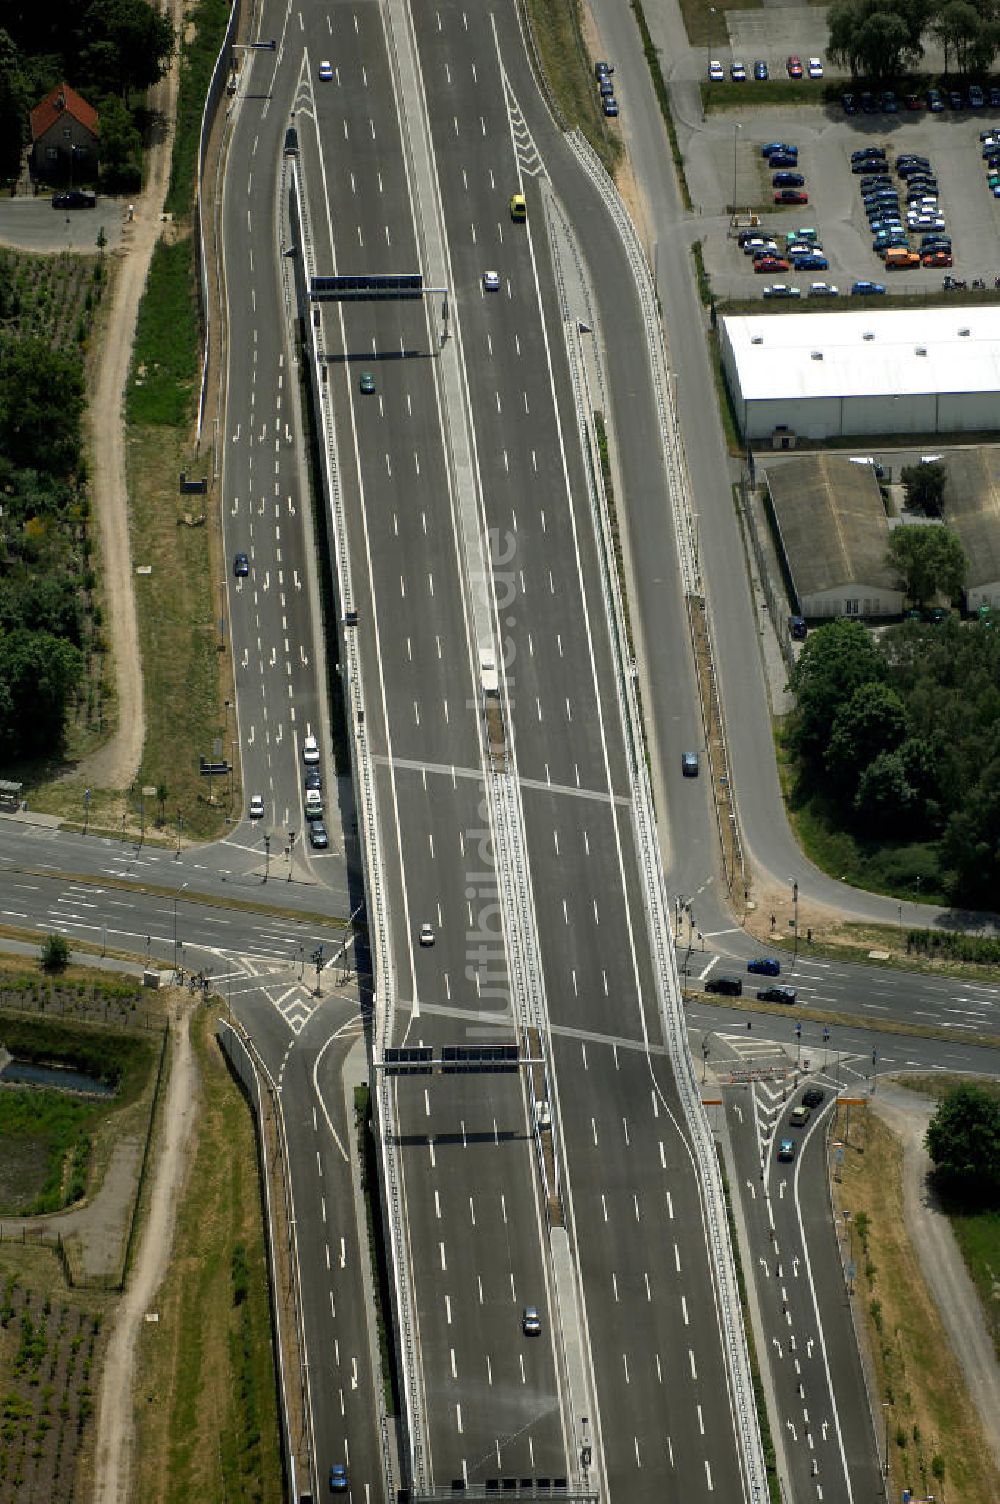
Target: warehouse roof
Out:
[866,352]
[832,523]
[972,510]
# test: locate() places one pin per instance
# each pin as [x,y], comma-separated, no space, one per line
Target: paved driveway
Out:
[31,224]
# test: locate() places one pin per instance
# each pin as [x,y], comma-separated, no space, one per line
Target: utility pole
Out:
[267,856]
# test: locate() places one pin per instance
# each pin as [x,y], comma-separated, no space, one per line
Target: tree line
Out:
[898,738]
[45,574]
[106,49]
[881,39]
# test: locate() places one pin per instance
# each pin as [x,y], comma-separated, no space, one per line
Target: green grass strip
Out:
[204,28]
[165,362]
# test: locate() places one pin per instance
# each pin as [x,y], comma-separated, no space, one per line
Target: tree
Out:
[38,674]
[13,107]
[877,38]
[970,846]
[41,402]
[55,953]
[924,485]
[963,1140]
[835,660]
[927,561]
[886,799]
[121,144]
[129,45]
[872,721]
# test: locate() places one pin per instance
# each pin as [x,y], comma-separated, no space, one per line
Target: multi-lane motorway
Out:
[456,432]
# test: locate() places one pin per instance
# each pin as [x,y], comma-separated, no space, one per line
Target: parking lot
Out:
[725,153]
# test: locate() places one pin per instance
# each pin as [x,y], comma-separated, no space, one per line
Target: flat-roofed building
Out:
[972,510]
[867,370]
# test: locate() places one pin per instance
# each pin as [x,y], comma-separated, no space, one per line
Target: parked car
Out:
[794,67]
[783,159]
[605,88]
[823,290]
[603,70]
[74,198]
[872,150]
[310,750]
[937,258]
[318,838]
[913,102]
[865,289]
[771,264]
[782,290]
[869,104]
[611,106]
[760,71]
[993,97]
[935,102]
[787,180]
[738,73]
[716,72]
[791,196]
[977,99]
[955,100]
[813,262]
[770,147]
[899,259]
[849,104]
[797,624]
[889,102]
[814,68]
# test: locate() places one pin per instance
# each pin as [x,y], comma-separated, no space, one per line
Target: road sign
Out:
[367,287]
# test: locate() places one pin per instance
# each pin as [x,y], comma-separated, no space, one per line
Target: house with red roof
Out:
[65,137]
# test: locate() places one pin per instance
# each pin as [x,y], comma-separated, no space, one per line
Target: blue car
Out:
[787,180]
[814,262]
[765,966]
[865,289]
[778,146]
[783,159]
[338,1479]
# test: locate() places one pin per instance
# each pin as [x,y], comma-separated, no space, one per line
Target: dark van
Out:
[731,986]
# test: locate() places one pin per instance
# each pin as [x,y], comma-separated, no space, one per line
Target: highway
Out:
[568,739]
[472,1220]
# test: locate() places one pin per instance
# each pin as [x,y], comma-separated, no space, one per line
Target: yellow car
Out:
[518,208]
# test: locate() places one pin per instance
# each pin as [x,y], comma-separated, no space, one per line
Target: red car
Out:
[938,258]
[770,264]
[791,196]
[794,67]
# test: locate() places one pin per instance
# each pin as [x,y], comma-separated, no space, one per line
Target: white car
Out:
[310,750]
[716,71]
[491,281]
[325,71]
[823,290]
[256,810]
[738,73]
[426,935]
[814,68]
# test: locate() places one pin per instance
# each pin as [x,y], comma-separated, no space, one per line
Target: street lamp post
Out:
[267,856]
[708,41]
[736,136]
[795,921]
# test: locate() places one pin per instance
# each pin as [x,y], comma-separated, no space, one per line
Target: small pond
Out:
[64,1078]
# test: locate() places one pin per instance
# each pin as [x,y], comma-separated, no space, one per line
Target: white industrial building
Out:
[868,370]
